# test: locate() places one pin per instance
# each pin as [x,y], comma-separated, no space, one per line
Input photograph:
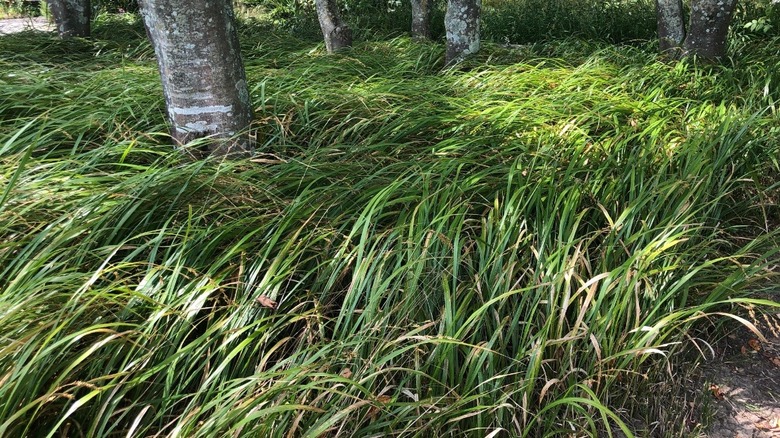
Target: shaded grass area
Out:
[512,248]
[527,21]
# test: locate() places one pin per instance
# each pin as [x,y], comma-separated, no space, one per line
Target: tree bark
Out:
[335,31]
[671,25]
[421,19]
[709,27]
[71,17]
[462,25]
[203,77]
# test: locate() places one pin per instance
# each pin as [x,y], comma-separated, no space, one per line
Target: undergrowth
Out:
[510,248]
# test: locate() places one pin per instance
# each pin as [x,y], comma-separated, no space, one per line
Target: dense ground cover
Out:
[520,246]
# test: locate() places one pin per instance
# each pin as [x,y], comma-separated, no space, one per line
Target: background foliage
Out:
[503,21]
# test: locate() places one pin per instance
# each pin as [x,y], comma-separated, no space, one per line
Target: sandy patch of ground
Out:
[14,25]
[743,382]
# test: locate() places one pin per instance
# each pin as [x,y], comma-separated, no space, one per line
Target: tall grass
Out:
[510,249]
[529,21]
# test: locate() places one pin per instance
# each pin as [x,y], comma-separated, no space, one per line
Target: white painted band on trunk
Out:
[198,126]
[195,110]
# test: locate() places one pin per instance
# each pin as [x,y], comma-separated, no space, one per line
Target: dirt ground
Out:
[13,25]
[742,381]
[741,377]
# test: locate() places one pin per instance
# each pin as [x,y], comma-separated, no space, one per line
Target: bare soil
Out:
[14,25]
[742,381]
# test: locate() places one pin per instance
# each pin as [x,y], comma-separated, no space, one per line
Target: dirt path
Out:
[743,382]
[14,25]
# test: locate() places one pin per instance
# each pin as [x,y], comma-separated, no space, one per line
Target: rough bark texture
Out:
[462,24]
[421,19]
[71,17]
[335,31]
[671,25]
[202,73]
[709,27]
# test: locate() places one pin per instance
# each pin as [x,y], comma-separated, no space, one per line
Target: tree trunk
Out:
[421,19]
[709,27]
[671,25]
[462,24]
[335,31]
[203,77]
[71,17]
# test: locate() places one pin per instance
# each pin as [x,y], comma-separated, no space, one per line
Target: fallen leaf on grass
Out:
[716,392]
[266,302]
[382,399]
[776,361]
[754,344]
[346,373]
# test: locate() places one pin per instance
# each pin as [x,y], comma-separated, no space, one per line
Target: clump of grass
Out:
[502,250]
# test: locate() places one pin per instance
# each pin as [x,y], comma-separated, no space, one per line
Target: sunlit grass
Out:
[507,249]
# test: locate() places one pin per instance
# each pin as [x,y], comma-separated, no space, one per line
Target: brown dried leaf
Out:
[266,302]
[754,344]
[374,411]
[346,373]
[546,388]
[772,425]
[381,399]
[716,392]
[776,361]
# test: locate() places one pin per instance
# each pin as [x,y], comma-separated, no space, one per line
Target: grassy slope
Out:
[506,247]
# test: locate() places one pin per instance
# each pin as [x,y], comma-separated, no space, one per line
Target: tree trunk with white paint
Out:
[671,25]
[335,31]
[71,17]
[203,77]
[462,24]
[709,27]
[421,19]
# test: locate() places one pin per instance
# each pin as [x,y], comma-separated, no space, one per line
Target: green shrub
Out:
[19,8]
